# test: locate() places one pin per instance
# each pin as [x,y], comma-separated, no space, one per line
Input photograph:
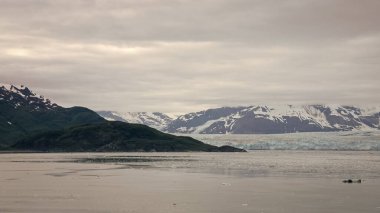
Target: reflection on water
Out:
[341,164]
[131,159]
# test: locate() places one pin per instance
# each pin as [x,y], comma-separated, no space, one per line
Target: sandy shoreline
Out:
[38,183]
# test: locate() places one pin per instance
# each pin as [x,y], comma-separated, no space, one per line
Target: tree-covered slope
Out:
[31,122]
[113,136]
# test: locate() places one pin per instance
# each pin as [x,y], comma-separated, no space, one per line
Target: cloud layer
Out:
[184,55]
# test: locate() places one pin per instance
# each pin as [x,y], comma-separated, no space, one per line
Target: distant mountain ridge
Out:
[155,120]
[266,119]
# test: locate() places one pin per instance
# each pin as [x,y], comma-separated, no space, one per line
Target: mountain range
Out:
[30,122]
[260,119]
[155,120]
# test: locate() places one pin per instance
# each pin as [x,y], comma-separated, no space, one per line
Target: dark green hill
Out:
[30,122]
[113,136]
[18,123]
[23,113]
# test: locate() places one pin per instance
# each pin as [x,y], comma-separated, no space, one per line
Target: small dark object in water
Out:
[352,181]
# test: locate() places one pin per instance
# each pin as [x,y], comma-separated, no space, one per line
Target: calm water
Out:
[269,181]
[260,163]
[281,173]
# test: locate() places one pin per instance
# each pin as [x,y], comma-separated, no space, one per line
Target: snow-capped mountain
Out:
[262,119]
[258,119]
[21,96]
[155,120]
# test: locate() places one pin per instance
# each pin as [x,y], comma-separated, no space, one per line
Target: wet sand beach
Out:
[263,181]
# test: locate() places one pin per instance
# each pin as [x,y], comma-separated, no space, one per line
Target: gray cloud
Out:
[181,56]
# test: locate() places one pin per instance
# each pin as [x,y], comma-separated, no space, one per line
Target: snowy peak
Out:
[276,119]
[21,96]
[155,120]
[258,119]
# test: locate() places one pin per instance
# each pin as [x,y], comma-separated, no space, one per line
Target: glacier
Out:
[343,141]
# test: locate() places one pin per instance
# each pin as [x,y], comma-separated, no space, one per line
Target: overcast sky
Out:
[188,55]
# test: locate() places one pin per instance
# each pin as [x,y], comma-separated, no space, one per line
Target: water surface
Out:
[258,181]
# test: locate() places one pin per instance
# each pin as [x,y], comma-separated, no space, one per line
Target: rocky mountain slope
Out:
[21,96]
